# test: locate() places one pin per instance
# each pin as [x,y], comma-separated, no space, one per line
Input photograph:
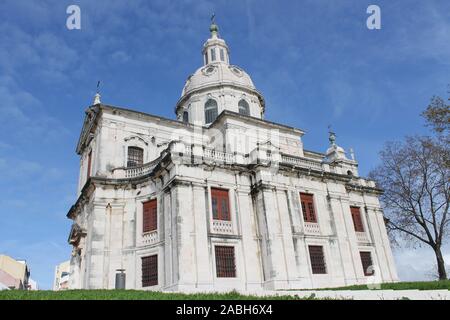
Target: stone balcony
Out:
[150,237]
[198,153]
[312,228]
[362,237]
[222,226]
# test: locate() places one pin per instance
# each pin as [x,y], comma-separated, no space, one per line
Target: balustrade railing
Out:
[312,228]
[362,237]
[302,162]
[222,226]
[150,237]
[215,155]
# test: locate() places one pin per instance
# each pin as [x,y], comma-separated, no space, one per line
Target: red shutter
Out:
[309,214]
[89,165]
[220,204]
[150,216]
[225,263]
[357,221]
[150,271]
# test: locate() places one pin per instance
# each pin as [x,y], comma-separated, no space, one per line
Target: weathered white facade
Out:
[220,144]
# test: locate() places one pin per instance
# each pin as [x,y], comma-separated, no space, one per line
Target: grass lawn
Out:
[155,295]
[128,295]
[424,285]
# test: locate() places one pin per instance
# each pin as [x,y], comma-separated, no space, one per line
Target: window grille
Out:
[225,262]
[135,157]
[317,260]
[150,271]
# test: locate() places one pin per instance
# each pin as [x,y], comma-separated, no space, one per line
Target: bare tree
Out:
[415,177]
[437,115]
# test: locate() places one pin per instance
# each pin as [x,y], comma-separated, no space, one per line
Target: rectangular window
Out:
[220,204]
[309,214]
[366,260]
[213,54]
[317,260]
[222,55]
[135,157]
[149,216]
[225,263]
[150,271]
[206,58]
[89,165]
[185,116]
[356,217]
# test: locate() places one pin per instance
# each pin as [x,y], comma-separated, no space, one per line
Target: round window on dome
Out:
[209,70]
[236,71]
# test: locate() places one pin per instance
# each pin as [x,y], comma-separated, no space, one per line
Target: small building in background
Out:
[32,285]
[14,274]
[61,281]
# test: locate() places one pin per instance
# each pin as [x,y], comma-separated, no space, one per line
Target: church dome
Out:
[218,86]
[218,74]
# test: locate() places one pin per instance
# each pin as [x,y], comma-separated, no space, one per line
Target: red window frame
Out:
[357,220]
[366,261]
[317,257]
[220,204]
[225,262]
[309,212]
[149,216]
[150,271]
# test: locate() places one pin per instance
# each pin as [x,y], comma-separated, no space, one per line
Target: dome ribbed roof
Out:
[217,74]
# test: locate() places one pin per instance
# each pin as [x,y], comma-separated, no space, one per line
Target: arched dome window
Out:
[210,111]
[244,108]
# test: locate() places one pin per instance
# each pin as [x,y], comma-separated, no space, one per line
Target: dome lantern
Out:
[215,50]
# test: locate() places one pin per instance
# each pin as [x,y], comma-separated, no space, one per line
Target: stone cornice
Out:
[82,199]
[90,121]
[363,189]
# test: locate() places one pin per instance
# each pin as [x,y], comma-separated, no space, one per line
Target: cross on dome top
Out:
[215,50]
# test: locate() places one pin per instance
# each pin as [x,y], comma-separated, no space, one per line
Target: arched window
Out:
[210,111]
[185,116]
[244,108]
[135,157]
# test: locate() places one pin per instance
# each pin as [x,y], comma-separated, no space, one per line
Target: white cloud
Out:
[418,264]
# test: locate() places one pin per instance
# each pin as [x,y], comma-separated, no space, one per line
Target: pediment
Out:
[88,129]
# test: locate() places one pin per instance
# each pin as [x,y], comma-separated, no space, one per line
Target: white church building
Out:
[219,198]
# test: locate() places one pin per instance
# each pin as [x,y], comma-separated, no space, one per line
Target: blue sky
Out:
[314,61]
